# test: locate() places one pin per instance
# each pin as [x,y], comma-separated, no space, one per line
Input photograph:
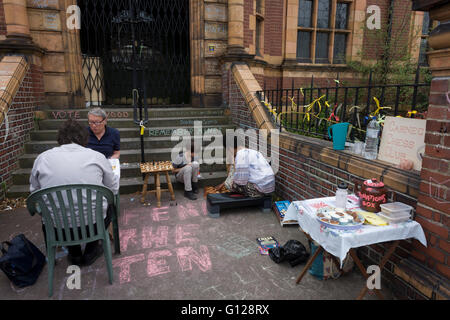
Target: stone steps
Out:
[125,143]
[134,132]
[133,184]
[153,122]
[163,122]
[127,113]
[127,170]
[128,156]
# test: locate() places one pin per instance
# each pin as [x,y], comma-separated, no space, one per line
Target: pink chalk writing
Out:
[128,215]
[160,214]
[126,236]
[184,212]
[124,265]
[156,264]
[159,239]
[184,233]
[187,255]
[203,208]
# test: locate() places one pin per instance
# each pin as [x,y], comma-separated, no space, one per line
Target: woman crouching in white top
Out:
[251,174]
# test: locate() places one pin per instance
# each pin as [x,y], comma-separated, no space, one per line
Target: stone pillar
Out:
[291,31]
[16,18]
[433,206]
[236,27]
[197,37]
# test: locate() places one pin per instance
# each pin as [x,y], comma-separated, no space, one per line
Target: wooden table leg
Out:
[385,259]
[158,190]
[169,184]
[308,264]
[144,187]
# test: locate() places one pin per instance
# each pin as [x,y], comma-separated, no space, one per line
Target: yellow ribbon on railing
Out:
[378,107]
[311,105]
[270,109]
[293,104]
[141,124]
[410,113]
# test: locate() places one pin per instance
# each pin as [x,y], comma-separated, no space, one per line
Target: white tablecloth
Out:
[339,242]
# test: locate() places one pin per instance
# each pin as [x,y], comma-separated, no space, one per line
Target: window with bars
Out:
[322,31]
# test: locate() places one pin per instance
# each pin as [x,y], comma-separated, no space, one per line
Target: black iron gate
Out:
[139,46]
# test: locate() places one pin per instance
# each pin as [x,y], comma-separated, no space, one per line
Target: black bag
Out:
[22,262]
[277,254]
[293,251]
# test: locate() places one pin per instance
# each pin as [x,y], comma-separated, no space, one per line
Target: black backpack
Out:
[22,262]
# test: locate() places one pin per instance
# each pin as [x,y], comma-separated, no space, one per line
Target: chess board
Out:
[209,190]
[156,166]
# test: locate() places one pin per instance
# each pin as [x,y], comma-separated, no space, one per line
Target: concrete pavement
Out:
[179,253]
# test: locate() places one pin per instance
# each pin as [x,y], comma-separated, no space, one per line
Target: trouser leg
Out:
[91,246]
[185,176]
[195,169]
[74,251]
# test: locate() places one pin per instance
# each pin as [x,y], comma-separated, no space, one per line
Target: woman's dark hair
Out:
[72,132]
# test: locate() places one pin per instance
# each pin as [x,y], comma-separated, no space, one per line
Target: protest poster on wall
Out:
[403,138]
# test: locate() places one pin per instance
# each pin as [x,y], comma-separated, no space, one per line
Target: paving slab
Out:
[177,252]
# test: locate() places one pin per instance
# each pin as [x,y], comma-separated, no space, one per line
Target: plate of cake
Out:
[339,218]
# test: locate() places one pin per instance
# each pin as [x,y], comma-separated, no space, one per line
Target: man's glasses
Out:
[95,123]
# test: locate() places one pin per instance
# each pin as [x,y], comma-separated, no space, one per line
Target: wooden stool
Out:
[157,168]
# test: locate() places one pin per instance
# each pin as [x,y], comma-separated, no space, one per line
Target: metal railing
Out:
[310,111]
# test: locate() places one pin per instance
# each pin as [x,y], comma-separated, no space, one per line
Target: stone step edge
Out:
[128,166]
[136,181]
[231,126]
[122,152]
[146,138]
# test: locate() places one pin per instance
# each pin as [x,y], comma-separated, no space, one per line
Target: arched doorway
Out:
[128,44]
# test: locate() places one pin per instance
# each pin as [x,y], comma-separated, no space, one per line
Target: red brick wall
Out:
[303,176]
[372,47]
[20,119]
[273,27]
[433,211]
[241,115]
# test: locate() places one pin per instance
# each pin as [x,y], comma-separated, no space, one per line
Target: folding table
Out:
[340,242]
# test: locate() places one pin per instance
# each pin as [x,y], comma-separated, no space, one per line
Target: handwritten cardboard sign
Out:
[403,138]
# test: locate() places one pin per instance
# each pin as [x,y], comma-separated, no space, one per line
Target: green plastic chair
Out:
[61,202]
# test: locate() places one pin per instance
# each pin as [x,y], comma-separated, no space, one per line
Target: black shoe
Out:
[195,187]
[190,195]
[91,256]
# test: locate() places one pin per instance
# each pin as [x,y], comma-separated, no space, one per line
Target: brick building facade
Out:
[281,49]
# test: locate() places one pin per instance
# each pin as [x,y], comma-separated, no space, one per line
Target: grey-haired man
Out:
[102,138]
